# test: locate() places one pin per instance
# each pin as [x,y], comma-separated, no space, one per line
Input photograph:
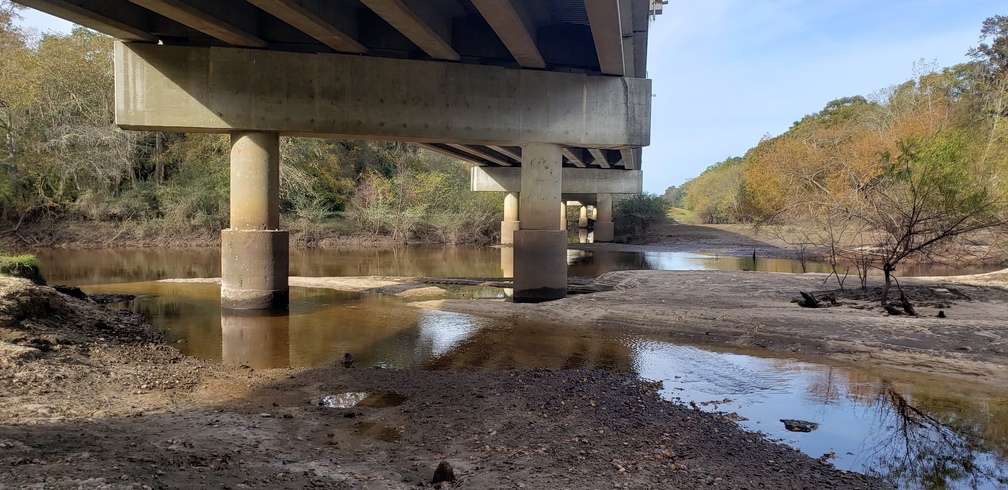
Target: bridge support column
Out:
[510,223]
[540,269]
[604,228]
[254,251]
[583,217]
[563,216]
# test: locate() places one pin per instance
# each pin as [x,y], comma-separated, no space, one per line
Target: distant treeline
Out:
[953,122]
[63,160]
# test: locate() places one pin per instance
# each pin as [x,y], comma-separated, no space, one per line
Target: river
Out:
[920,431]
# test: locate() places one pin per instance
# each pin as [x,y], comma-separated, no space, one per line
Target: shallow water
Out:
[79,267]
[924,432]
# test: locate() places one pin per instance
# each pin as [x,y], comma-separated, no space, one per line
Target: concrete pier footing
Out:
[540,266]
[254,251]
[540,249]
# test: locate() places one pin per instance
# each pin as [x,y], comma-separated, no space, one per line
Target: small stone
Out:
[799,425]
[443,473]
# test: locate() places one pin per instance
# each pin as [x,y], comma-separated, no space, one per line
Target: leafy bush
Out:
[635,214]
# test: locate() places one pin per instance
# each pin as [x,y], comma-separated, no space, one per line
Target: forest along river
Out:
[922,431]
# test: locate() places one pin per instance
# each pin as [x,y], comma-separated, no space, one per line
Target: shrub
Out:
[635,214]
[26,266]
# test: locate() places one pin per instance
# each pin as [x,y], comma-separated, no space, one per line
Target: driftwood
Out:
[907,307]
[809,301]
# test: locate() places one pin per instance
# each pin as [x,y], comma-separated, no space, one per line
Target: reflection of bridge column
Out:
[257,341]
[507,261]
[540,249]
[604,228]
[510,223]
[254,265]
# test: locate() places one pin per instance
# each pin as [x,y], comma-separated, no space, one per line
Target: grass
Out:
[26,266]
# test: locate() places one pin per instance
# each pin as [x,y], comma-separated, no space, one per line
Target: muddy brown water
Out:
[920,431]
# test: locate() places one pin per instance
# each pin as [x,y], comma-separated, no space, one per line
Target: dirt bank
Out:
[91,399]
[757,309]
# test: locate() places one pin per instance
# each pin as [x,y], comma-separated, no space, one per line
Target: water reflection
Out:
[84,267]
[256,340]
[921,434]
[932,450]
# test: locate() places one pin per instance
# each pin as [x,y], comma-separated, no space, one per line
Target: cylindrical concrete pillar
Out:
[583,217]
[540,249]
[254,252]
[510,223]
[563,216]
[604,228]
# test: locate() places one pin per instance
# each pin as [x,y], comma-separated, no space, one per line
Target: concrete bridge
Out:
[548,97]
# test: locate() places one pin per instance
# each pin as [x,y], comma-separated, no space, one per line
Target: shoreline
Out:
[93,398]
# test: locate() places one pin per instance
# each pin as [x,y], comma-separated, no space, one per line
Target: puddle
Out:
[342,400]
[360,399]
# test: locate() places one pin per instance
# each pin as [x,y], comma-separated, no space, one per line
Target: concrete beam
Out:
[295,14]
[487,155]
[600,157]
[177,88]
[87,16]
[627,34]
[629,158]
[607,30]
[576,156]
[575,180]
[418,30]
[201,21]
[515,28]
[510,151]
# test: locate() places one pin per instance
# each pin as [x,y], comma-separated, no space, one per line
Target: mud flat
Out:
[91,398]
[759,309]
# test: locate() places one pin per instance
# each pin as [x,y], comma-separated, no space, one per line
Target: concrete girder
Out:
[600,157]
[307,21]
[189,89]
[575,156]
[202,21]
[481,152]
[511,151]
[575,180]
[627,35]
[604,18]
[629,158]
[407,19]
[515,28]
[92,18]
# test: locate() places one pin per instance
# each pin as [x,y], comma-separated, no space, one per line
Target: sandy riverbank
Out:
[92,399]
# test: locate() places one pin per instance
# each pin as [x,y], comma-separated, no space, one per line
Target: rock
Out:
[443,473]
[941,314]
[347,361]
[794,425]
[72,291]
[13,353]
[105,299]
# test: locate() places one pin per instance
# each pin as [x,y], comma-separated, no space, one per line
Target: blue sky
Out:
[728,72]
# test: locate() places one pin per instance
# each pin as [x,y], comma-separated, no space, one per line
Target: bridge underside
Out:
[547,97]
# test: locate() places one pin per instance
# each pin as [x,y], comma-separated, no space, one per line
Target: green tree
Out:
[639,212]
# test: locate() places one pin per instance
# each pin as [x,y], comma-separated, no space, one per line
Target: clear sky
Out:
[728,72]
